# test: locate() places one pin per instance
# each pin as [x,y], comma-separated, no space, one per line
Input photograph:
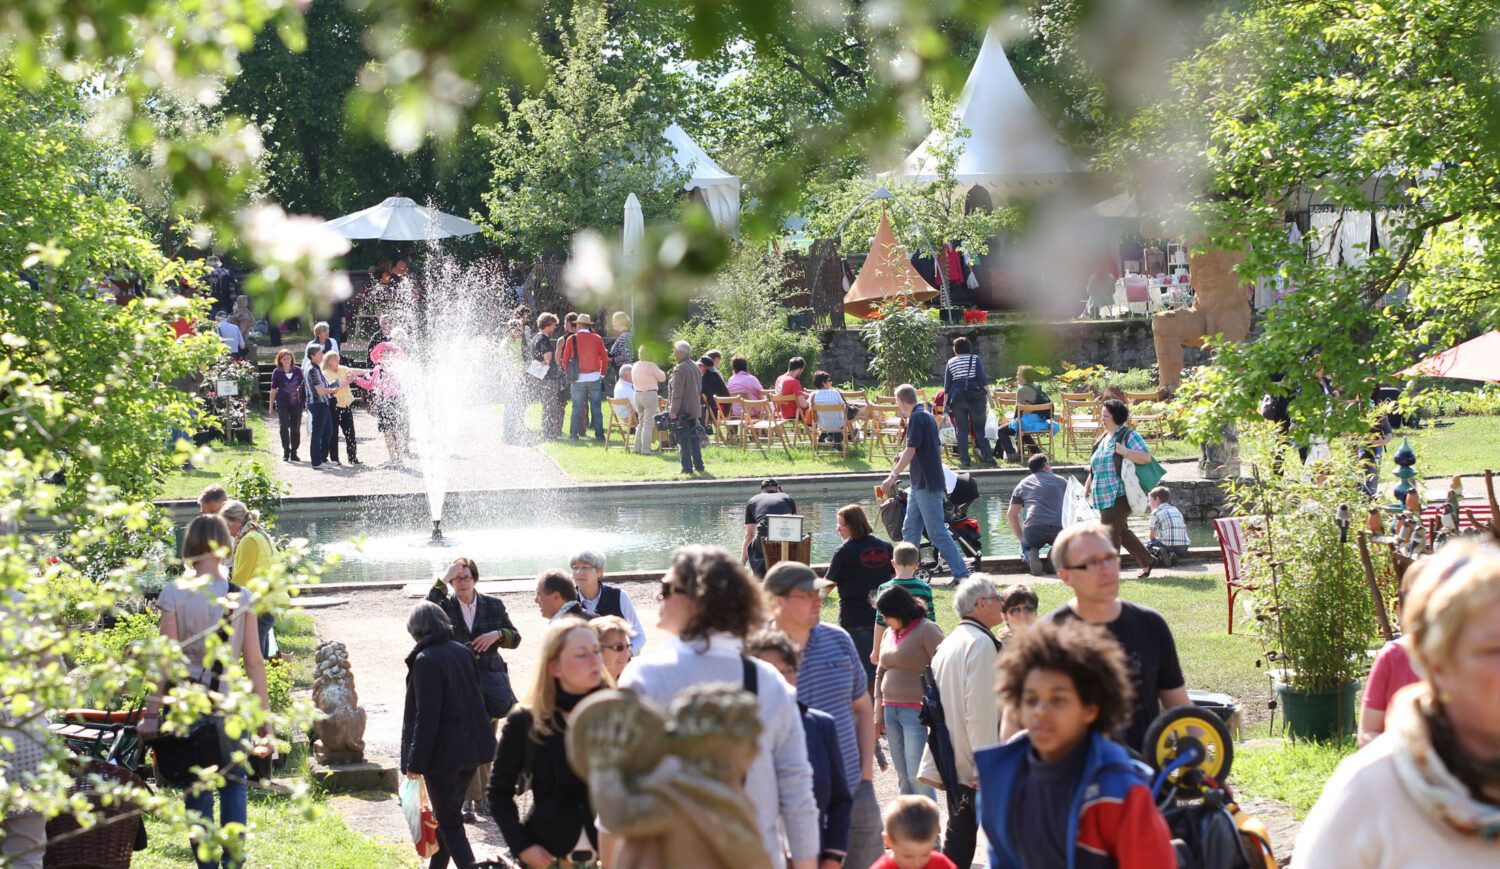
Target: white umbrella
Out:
[632,242]
[401,219]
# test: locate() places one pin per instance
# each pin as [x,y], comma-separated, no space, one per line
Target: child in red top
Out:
[911,836]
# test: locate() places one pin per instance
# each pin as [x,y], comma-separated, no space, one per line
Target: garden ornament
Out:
[341,730]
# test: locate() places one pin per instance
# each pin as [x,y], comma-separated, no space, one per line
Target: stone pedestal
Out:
[372,774]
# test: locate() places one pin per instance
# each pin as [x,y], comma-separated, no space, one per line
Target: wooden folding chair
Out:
[762,426]
[621,421]
[1080,425]
[1036,436]
[729,430]
[1152,426]
[852,395]
[845,429]
[790,423]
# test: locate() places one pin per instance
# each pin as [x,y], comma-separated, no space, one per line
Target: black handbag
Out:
[499,697]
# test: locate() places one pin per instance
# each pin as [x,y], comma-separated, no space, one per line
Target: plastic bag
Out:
[991,425]
[420,821]
[1134,494]
[1076,508]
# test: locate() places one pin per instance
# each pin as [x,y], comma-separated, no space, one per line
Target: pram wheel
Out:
[1184,728]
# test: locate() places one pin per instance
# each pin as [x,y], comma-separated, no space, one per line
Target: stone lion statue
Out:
[341,729]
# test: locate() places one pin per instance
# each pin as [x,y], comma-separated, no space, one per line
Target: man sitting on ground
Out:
[1042,494]
[1169,537]
[1088,562]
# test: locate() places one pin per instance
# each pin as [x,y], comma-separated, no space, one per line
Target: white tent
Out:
[719,189]
[401,219]
[1010,147]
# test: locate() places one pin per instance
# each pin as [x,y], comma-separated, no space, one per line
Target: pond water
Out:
[507,537]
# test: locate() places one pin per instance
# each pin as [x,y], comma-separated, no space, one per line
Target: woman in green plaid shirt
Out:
[1119,443]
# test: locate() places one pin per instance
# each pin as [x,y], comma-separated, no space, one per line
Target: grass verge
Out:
[215,463]
[1293,773]
[1444,447]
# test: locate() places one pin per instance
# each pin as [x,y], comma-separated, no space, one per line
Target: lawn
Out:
[1444,447]
[215,462]
[1195,608]
[1293,773]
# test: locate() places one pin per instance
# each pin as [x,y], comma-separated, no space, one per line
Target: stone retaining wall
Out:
[1116,344]
[1199,499]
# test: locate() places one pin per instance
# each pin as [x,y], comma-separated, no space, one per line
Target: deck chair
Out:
[1231,534]
[621,421]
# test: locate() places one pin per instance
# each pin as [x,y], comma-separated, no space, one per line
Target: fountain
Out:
[437,538]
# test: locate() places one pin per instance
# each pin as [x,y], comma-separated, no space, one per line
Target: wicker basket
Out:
[107,845]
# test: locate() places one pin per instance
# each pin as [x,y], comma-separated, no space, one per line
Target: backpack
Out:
[1273,408]
[572,359]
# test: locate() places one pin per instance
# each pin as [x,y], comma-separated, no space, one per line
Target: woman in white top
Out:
[192,609]
[830,423]
[647,377]
[1426,793]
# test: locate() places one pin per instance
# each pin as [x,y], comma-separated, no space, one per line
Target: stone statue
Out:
[1220,460]
[1221,308]
[341,729]
[672,787]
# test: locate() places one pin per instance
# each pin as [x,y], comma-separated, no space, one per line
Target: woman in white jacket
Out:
[1426,793]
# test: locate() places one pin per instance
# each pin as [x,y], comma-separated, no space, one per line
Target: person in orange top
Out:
[583,358]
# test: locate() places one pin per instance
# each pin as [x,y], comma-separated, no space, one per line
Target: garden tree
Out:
[937,207]
[741,308]
[1390,108]
[65,346]
[566,156]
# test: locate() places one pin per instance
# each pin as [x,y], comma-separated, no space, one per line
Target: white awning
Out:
[401,219]
[719,189]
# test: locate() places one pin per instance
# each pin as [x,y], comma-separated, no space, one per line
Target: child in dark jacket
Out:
[1063,794]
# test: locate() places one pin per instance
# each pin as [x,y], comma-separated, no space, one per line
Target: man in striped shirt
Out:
[966,396]
[832,680]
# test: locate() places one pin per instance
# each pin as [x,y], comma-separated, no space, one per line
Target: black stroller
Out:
[963,527]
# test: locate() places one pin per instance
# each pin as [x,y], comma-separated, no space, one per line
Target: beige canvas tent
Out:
[887,274]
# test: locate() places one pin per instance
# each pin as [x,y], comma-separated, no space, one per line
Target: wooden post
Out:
[1380,613]
[1489,487]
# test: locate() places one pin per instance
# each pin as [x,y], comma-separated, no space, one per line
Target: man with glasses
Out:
[964,668]
[1019,604]
[831,679]
[1088,562]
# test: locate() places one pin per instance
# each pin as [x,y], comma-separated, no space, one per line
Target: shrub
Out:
[1484,401]
[113,643]
[902,340]
[742,313]
[1314,612]
[252,483]
[279,684]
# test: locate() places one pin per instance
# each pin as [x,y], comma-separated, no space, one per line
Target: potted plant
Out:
[1313,610]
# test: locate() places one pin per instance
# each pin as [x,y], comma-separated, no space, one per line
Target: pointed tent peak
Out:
[886,274]
[720,191]
[1010,146]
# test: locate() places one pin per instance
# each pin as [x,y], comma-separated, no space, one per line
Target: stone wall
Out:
[1199,499]
[1116,344]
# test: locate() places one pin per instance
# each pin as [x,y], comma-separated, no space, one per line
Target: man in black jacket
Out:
[549,388]
[445,733]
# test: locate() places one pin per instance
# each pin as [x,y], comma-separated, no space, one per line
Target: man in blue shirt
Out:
[831,679]
[924,502]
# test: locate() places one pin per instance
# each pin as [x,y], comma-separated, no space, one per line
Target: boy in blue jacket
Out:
[1063,794]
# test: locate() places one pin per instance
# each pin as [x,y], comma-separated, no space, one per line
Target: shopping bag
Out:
[420,820]
[991,425]
[1076,508]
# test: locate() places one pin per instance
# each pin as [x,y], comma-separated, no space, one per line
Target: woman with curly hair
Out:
[1063,793]
[710,604]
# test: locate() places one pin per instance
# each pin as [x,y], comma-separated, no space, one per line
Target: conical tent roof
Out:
[887,274]
[1010,147]
[720,190]
[1478,359]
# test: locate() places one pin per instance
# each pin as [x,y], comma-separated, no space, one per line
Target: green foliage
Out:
[1315,615]
[1360,107]
[252,483]
[903,341]
[566,156]
[1484,401]
[279,685]
[1292,773]
[126,637]
[742,313]
[937,208]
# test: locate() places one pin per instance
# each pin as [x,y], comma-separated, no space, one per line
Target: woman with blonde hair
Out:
[533,745]
[286,402]
[342,406]
[192,608]
[1426,792]
[615,636]
[254,553]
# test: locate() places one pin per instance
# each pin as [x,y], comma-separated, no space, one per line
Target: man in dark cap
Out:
[771,501]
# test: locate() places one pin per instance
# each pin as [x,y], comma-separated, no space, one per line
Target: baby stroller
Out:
[964,528]
[1191,751]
